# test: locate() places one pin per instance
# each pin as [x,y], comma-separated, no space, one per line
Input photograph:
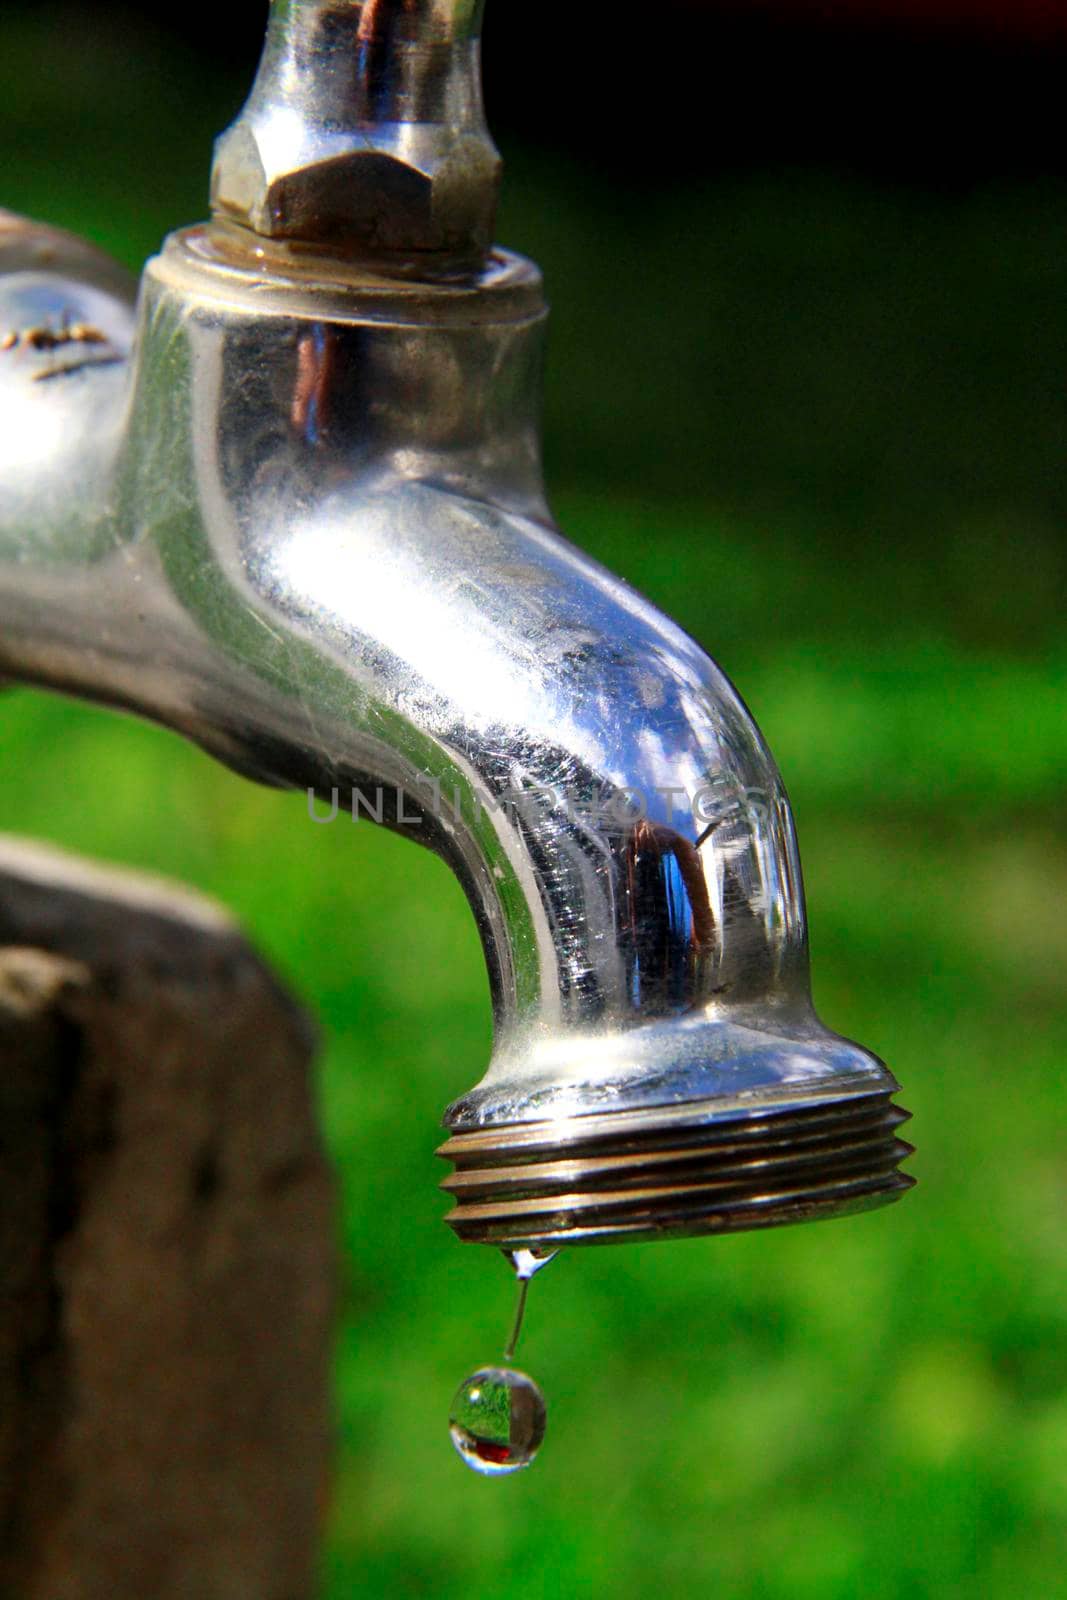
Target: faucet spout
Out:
[298,516]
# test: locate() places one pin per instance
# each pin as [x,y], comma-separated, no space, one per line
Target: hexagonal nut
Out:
[436,197]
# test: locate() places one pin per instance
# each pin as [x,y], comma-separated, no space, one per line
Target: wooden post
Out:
[166,1250]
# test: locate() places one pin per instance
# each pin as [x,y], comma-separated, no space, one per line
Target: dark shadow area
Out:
[944,94]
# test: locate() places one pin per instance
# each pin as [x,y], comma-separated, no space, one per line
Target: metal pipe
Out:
[300,518]
[365,130]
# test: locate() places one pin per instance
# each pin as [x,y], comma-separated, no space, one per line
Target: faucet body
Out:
[290,504]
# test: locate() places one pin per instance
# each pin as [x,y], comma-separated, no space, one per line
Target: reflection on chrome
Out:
[298,515]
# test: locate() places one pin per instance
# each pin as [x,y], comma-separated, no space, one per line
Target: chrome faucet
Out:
[287,500]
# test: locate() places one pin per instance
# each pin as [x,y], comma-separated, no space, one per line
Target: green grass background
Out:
[822,423]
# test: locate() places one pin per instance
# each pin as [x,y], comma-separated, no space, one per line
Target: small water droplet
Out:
[528,1263]
[497,1421]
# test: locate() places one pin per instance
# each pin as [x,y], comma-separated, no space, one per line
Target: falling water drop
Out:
[497,1420]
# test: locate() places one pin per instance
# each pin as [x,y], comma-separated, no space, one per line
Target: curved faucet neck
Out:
[310,537]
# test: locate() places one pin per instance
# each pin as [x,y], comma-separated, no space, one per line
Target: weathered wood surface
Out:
[166,1250]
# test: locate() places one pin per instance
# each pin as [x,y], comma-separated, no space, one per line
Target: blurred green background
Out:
[821,421]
